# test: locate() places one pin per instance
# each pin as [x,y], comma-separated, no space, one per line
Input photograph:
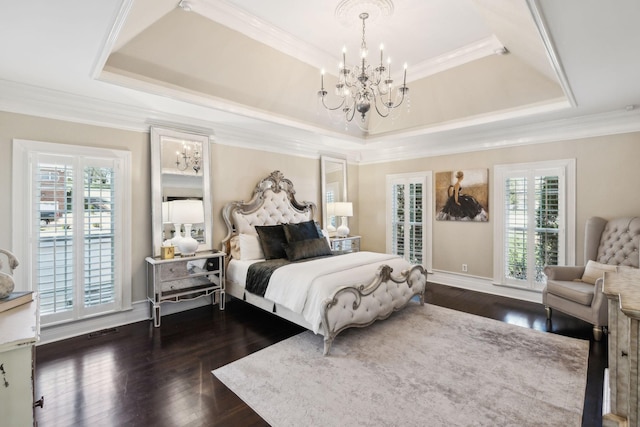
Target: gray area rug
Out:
[423,366]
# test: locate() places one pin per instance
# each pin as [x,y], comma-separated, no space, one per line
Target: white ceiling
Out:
[53,55]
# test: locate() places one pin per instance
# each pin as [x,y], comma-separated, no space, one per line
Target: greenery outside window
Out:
[534,222]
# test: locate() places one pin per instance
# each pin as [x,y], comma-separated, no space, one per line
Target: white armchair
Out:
[577,290]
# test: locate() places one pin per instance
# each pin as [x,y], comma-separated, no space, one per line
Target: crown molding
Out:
[251,26]
[550,50]
[463,55]
[48,103]
[587,126]
[239,20]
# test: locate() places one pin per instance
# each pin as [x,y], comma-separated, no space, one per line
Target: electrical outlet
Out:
[464,268]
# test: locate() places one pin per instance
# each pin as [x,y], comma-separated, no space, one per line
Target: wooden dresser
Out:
[621,408]
[19,331]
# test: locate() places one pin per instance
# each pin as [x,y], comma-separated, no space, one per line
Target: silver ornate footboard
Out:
[360,306]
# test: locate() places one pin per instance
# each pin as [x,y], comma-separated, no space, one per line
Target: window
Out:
[409,217]
[534,221]
[70,230]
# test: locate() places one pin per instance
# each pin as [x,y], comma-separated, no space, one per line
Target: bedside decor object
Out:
[167,252]
[6,279]
[343,210]
[186,212]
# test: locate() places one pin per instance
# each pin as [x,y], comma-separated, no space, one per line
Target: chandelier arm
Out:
[351,110]
[403,89]
[380,113]
[332,108]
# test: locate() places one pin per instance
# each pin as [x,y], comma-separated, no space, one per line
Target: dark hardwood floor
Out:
[137,375]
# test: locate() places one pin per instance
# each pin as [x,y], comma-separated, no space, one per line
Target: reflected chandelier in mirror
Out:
[179,171]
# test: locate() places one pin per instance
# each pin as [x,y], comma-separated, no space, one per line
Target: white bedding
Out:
[302,287]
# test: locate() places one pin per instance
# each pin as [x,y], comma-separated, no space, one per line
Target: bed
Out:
[319,290]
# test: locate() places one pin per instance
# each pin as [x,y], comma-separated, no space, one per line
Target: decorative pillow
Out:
[595,270]
[309,248]
[301,231]
[250,247]
[271,240]
[234,244]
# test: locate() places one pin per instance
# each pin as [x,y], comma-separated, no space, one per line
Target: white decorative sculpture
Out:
[6,280]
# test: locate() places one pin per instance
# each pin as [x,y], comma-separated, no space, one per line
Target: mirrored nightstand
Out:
[345,244]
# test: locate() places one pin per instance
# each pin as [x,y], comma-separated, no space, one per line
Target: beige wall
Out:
[16,126]
[607,176]
[235,172]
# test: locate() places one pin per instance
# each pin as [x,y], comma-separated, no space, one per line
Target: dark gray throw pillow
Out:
[272,239]
[301,231]
[309,248]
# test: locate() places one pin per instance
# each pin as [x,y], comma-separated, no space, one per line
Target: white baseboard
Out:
[482,284]
[139,312]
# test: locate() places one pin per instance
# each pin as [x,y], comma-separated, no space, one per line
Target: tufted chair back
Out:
[614,242]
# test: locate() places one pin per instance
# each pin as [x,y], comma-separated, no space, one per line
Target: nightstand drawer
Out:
[173,271]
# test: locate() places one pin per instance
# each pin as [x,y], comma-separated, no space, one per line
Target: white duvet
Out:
[302,287]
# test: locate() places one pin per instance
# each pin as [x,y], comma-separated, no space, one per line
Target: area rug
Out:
[423,366]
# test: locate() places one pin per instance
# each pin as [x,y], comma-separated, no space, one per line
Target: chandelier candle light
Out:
[361,85]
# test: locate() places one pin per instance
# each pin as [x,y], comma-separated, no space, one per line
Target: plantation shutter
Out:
[407,218]
[533,222]
[68,208]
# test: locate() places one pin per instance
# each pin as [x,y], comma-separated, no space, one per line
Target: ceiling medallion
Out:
[348,11]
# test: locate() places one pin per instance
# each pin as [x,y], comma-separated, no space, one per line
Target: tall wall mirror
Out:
[179,180]
[334,189]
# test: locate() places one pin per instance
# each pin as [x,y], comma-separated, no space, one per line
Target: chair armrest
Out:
[567,273]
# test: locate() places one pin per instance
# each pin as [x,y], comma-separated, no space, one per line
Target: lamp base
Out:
[187,245]
[343,230]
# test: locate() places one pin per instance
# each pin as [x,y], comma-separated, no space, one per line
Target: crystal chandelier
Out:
[362,85]
[186,159]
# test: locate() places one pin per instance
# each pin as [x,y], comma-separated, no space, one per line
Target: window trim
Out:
[22,214]
[568,203]
[426,178]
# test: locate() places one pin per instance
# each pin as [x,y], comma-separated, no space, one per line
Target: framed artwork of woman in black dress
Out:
[457,203]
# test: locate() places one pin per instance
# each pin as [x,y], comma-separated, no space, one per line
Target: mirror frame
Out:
[323,180]
[157,135]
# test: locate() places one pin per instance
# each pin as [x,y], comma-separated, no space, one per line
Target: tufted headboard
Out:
[619,242]
[273,202]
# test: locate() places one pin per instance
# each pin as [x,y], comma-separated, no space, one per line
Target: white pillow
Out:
[595,270]
[234,245]
[250,247]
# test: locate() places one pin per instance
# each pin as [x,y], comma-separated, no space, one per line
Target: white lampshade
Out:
[186,212]
[343,209]
[165,213]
